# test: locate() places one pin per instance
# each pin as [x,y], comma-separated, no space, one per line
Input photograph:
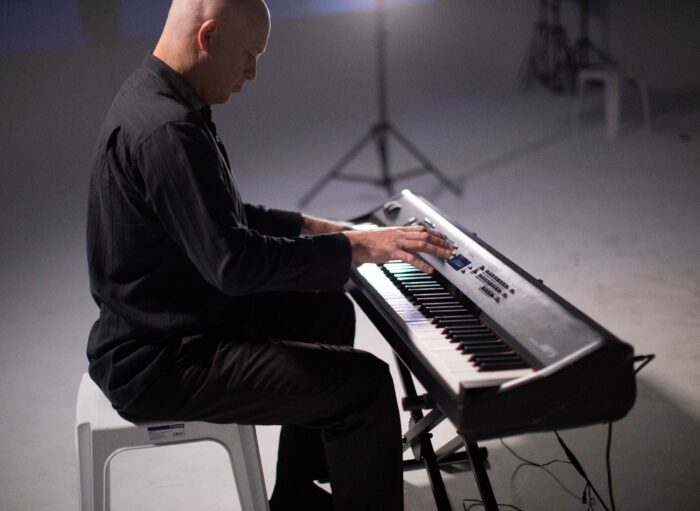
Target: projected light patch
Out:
[27,25]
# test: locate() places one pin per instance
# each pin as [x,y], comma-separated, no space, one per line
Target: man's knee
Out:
[374,380]
[340,318]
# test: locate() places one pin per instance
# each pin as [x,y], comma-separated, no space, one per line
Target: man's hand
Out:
[390,243]
[313,225]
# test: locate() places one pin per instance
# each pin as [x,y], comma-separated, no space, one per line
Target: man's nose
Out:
[251,72]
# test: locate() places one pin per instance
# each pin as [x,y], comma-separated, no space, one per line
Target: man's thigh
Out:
[326,317]
[265,382]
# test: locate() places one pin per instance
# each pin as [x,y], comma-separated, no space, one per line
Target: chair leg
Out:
[646,109]
[612,106]
[580,86]
[241,443]
[84,447]
[100,478]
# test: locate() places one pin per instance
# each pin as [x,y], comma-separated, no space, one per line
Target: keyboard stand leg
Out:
[482,478]
[424,450]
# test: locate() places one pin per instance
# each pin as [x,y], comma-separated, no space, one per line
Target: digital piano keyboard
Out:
[497,351]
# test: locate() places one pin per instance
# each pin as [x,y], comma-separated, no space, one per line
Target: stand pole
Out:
[425,450]
[482,478]
[585,49]
[380,133]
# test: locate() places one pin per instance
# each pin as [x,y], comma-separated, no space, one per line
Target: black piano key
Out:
[466,322]
[433,313]
[505,355]
[482,341]
[421,285]
[429,293]
[467,330]
[424,297]
[409,291]
[483,348]
[452,320]
[502,366]
[467,326]
[449,316]
[477,337]
[456,323]
[465,335]
[426,300]
[418,277]
[444,308]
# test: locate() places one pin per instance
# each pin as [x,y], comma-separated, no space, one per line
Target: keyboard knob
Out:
[392,208]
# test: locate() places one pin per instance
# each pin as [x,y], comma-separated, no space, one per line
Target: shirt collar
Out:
[177,83]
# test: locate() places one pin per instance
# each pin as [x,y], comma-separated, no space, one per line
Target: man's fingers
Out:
[420,228]
[413,261]
[426,234]
[425,246]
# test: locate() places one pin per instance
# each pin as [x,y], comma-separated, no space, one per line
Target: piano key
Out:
[420,285]
[437,307]
[428,296]
[478,358]
[466,329]
[483,337]
[412,277]
[499,366]
[475,338]
[480,349]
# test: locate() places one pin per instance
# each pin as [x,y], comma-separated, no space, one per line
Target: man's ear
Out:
[205,34]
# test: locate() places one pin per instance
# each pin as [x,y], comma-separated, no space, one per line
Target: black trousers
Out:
[336,404]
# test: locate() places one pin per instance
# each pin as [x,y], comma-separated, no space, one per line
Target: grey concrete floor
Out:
[611,226]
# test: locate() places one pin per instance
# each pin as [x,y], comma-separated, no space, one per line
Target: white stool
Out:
[101,433]
[612,80]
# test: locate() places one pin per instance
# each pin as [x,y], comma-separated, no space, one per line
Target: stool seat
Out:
[612,79]
[101,433]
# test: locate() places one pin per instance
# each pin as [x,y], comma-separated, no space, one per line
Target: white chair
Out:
[612,80]
[101,433]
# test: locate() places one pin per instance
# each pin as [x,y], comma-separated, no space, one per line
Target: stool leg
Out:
[84,447]
[100,478]
[612,106]
[242,446]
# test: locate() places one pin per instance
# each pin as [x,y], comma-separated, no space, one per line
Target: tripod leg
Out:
[336,169]
[425,161]
[382,142]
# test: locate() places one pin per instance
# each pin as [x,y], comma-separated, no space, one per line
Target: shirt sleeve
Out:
[273,222]
[186,184]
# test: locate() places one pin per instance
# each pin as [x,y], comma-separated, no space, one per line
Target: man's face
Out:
[234,52]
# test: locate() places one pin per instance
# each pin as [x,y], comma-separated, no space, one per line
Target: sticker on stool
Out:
[166,431]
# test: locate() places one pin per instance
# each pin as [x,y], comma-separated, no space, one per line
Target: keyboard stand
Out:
[418,439]
[418,436]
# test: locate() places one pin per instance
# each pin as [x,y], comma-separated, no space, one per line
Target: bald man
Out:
[216,310]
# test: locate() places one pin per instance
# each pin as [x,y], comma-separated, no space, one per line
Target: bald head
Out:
[215,44]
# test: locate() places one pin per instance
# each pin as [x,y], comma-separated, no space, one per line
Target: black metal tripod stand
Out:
[549,59]
[380,133]
[586,53]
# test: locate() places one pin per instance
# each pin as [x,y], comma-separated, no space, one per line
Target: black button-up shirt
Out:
[174,254]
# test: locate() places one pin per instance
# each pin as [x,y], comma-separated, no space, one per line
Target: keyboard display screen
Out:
[458,261]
